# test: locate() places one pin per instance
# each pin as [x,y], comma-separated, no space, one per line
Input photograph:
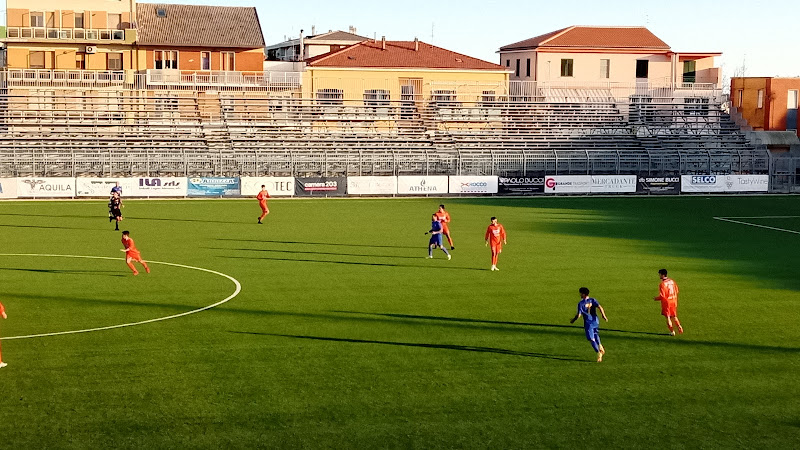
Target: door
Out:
[410,94]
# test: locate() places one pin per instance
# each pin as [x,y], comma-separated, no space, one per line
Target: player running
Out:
[587,308]
[132,253]
[436,237]
[444,219]
[116,190]
[115,209]
[668,296]
[495,235]
[5,316]
[262,202]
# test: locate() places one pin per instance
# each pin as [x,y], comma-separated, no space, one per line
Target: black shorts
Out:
[116,213]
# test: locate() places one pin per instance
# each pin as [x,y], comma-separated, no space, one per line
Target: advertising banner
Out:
[520,185]
[473,184]
[8,188]
[157,187]
[613,184]
[276,186]
[724,183]
[659,185]
[568,184]
[421,185]
[213,187]
[101,187]
[371,185]
[320,187]
[41,187]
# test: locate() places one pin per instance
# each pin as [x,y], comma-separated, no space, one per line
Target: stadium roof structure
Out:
[590,37]
[399,55]
[198,26]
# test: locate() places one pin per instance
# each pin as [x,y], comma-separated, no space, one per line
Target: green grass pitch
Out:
[346,336]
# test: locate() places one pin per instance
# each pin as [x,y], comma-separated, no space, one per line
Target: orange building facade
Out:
[767,103]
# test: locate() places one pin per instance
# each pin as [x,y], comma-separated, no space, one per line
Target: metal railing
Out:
[69,34]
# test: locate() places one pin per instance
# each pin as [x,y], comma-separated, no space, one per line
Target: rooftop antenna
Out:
[432,31]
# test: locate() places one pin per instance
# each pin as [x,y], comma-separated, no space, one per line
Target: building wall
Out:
[245,60]
[469,85]
[95,13]
[773,113]
[63,56]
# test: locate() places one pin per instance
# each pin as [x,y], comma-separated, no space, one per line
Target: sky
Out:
[757,38]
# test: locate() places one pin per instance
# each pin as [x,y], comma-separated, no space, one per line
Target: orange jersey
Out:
[495,234]
[130,247]
[262,197]
[443,217]
[2,309]
[668,291]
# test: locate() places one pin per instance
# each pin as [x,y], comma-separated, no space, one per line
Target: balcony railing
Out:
[66,34]
[52,78]
[222,78]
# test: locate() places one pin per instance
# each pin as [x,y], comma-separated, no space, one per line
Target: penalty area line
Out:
[726,219]
[131,324]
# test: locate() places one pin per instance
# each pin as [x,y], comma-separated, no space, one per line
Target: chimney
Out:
[313,30]
[416,44]
[383,42]
[302,48]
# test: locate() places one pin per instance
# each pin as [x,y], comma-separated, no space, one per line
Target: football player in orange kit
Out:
[444,219]
[3,314]
[668,296]
[132,253]
[495,235]
[262,202]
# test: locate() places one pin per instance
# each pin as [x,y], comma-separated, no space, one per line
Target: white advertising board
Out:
[473,185]
[8,188]
[276,186]
[44,187]
[155,187]
[101,187]
[420,185]
[568,184]
[610,184]
[724,183]
[371,185]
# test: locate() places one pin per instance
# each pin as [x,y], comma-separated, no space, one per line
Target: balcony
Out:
[189,80]
[41,34]
[65,78]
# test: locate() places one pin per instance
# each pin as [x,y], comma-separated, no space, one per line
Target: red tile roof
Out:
[593,37]
[399,54]
[198,26]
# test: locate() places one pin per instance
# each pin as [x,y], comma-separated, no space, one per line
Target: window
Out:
[444,95]
[166,59]
[528,68]
[36,60]
[330,96]
[760,99]
[791,100]
[488,96]
[566,67]
[508,63]
[605,68]
[80,61]
[78,20]
[741,94]
[228,60]
[376,97]
[641,68]
[114,21]
[161,12]
[516,71]
[205,60]
[689,73]
[114,61]
[51,20]
[37,19]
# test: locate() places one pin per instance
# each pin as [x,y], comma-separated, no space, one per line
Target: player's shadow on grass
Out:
[355,263]
[466,348]
[45,227]
[491,322]
[338,244]
[312,253]
[104,273]
[73,216]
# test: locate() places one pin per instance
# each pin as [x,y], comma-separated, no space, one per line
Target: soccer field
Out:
[345,335]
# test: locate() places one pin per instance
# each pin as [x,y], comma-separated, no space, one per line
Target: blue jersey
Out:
[436,226]
[588,310]
[116,189]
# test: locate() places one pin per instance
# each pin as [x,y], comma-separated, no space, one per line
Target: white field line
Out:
[726,219]
[111,327]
